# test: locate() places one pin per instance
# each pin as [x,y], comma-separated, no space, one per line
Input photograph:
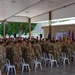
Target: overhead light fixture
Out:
[51,1]
[26,11]
[14,1]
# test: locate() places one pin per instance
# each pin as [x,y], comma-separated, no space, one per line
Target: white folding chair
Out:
[8,67]
[0,72]
[46,59]
[23,64]
[74,56]
[36,63]
[64,58]
[42,58]
[52,60]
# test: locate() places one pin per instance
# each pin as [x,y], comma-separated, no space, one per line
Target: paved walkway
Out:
[61,70]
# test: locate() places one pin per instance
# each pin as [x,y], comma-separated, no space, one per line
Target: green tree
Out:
[14,27]
[1,29]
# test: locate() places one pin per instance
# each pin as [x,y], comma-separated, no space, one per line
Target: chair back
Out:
[22,61]
[44,55]
[7,61]
[0,72]
[74,54]
[63,55]
[51,57]
[35,58]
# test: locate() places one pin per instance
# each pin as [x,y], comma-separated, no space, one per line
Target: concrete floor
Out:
[61,70]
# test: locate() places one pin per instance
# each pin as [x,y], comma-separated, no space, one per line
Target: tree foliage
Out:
[14,27]
[1,29]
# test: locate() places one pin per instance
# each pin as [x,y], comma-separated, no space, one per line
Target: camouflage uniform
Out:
[73,44]
[23,45]
[2,57]
[29,55]
[63,47]
[17,55]
[42,46]
[59,47]
[37,50]
[45,45]
[57,51]
[69,51]
[50,48]
[9,53]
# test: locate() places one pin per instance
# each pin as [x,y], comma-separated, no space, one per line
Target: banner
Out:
[73,35]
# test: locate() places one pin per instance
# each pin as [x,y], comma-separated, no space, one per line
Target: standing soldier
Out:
[69,51]
[2,56]
[46,44]
[23,48]
[37,50]
[42,45]
[73,44]
[17,55]
[56,51]
[50,48]
[29,53]
[9,51]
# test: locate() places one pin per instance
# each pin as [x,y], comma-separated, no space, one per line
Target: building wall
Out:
[55,29]
[46,31]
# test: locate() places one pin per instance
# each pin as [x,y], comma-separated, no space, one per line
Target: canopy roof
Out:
[29,8]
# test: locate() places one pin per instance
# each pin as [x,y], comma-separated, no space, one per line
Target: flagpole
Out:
[69,33]
[73,35]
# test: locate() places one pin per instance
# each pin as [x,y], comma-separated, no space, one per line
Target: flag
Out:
[73,35]
[69,33]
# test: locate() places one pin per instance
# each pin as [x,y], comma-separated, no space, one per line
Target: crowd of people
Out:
[15,50]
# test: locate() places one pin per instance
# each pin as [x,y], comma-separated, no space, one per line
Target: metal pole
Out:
[50,25]
[4,28]
[29,20]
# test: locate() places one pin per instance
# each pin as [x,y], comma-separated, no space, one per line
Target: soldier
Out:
[9,51]
[73,44]
[50,48]
[23,48]
[69,50]
[17,55]
[63,47]
[46,44]
[37,50]
[57,51]
[42,46]
[2,56]
[29,53]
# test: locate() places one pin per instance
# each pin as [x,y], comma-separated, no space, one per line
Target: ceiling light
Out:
[26,11]
[51,1]
[13,1]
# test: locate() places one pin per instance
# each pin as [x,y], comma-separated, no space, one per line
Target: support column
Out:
[29,21]
[49,25]
[4,28]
